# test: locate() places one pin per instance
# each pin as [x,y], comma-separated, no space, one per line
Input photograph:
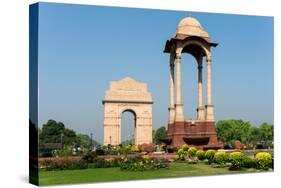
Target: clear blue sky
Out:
[83,48]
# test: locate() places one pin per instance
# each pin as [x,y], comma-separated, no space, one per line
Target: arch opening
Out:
[196,47]
[193,55]
[195,50]
[189,85]
[128,126]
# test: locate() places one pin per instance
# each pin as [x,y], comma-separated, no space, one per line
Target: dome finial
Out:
[191,26]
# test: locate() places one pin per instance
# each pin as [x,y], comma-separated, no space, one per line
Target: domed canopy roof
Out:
[189,21]
[191,27]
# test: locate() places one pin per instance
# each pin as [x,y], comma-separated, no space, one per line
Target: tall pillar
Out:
[209,106]
[172,89]
[200,108]
[179,106]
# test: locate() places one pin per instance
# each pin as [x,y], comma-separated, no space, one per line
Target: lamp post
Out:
[61,140]
[128,141]
[91,142]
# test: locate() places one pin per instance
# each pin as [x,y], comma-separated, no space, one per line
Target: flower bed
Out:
[63,163]
[235,160]
[143,163]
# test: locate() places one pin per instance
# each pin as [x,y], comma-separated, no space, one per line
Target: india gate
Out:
[130,95]
[191,38]
[127,95]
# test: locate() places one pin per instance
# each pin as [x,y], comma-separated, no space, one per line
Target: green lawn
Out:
[115,174]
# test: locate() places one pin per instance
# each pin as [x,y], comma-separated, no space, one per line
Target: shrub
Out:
[181,154]
[237,160]
[142,164]
[200,154]
[89,156]
[220,157]
[264,160]
[210,155]
[102,163]
[64,153]
[192,151]
[248,162]
[135,148]
[48,153]
[79,164]
[119,149]
[146,157]
[63,163]
[100,151]
[127,149]
[185,147]
[149,148]
[112,152]
[172,149]
[46,164]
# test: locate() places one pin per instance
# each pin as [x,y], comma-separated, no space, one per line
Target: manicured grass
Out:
[115,174]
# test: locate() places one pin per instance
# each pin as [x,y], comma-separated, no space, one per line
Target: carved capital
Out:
[178,55]
[171,108]
[209,61]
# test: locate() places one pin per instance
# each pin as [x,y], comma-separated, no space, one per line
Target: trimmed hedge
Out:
[210,155]
[264,160]
[237,160]
[185,147]
[102,163]
[63,163]
[181,154]
[248,162]
[220,157]
[200,154]
[192,151]
[90,156]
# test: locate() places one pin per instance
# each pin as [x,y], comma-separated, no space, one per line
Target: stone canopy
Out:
[191,38]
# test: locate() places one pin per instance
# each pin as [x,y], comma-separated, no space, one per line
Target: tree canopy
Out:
[159,135]
[84,140]
[230,130]
[51,132]
[266,133]
[55,132]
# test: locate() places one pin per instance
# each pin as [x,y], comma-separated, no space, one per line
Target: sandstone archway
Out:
[127,95]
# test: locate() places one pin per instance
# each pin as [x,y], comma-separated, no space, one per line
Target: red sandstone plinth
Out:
[200,134]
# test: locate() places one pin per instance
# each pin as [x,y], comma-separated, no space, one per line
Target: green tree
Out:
[153,134]
[266,134]
[51,133]
[69,137]
[160,134]
[85,141]
[230,130]
[254,137]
